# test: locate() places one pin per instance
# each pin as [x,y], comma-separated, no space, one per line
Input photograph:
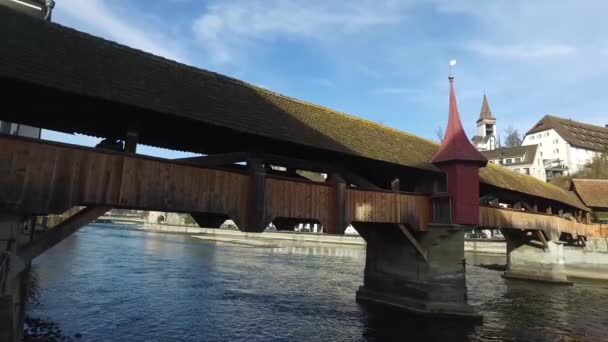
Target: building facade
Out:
[486,137]
[566,145]
[20,130]
[521,159]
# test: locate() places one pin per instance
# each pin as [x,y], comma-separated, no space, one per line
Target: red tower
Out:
[461,161]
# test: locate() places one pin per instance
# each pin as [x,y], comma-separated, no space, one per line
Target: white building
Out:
[20,130]
[521,159]
[565,144]
[485,140]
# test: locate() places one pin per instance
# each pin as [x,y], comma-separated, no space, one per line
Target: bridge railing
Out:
[388,207]
[498,218]
[40,177]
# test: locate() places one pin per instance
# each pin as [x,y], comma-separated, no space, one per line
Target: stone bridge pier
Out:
[420,272]
[532,255]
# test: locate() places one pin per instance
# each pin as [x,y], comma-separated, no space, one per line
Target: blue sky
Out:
[384,60]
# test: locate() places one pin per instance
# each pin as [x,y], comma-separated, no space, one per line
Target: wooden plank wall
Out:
[515,219]
[162,185]
[46,178]
[38,178]
[293,199]
[388,207]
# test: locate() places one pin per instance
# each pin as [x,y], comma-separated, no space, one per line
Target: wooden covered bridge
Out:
[253,142]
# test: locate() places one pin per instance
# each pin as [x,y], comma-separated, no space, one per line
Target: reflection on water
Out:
[114,285]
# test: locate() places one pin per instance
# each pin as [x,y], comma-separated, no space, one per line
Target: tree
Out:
[512,138]
[439,133]
[596,169]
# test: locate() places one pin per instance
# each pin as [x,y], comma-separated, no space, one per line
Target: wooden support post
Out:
[396,185]
[535,207]
[517,205]
[60,232]
[541,237]
[549,210]
[560,212]
[338,224]
[131,139]
[413,241]
[495,202]
[257,185]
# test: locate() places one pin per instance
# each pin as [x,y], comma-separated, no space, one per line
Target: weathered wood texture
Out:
[47,178]
[39,178]
[516,219]
[293,199]
[59,233]
[162,185]
[388,207]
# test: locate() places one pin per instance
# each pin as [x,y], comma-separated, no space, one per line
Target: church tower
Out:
[486,137]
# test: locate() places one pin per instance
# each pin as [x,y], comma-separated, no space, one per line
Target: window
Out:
[539,135]
[555,141]
[547,134]
[518,160]
[509,161]
[5,127]
[541,144]
[527,170]
[531,137]
[556,150]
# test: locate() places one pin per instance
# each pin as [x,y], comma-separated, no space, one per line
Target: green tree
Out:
[596,169]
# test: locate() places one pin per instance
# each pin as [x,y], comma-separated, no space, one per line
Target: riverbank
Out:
[494,247]
[232,235]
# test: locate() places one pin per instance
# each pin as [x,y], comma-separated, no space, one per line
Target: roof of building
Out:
[527,154]
[455,145]
[576,133]
[485,112]
[593,192]
[478,139]
[184,98]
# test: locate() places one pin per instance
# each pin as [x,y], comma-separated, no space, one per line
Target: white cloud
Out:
[521,51]
[228,25]
[96,17]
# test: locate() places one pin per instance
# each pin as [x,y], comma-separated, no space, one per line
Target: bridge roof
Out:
[173,102]
[593,192]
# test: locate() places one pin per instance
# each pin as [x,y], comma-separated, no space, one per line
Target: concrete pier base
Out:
[425,276]
[530,256]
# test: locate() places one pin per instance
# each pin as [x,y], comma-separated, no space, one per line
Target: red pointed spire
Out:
[456,146]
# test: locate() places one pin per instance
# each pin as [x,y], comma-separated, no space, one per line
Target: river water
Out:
[121,285]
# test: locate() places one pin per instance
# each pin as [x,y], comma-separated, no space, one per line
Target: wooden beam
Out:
[359,181]
[413,240]
[60,232]
[396,185]
[541,237]
[257,187]
[132,139]
[339,223]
